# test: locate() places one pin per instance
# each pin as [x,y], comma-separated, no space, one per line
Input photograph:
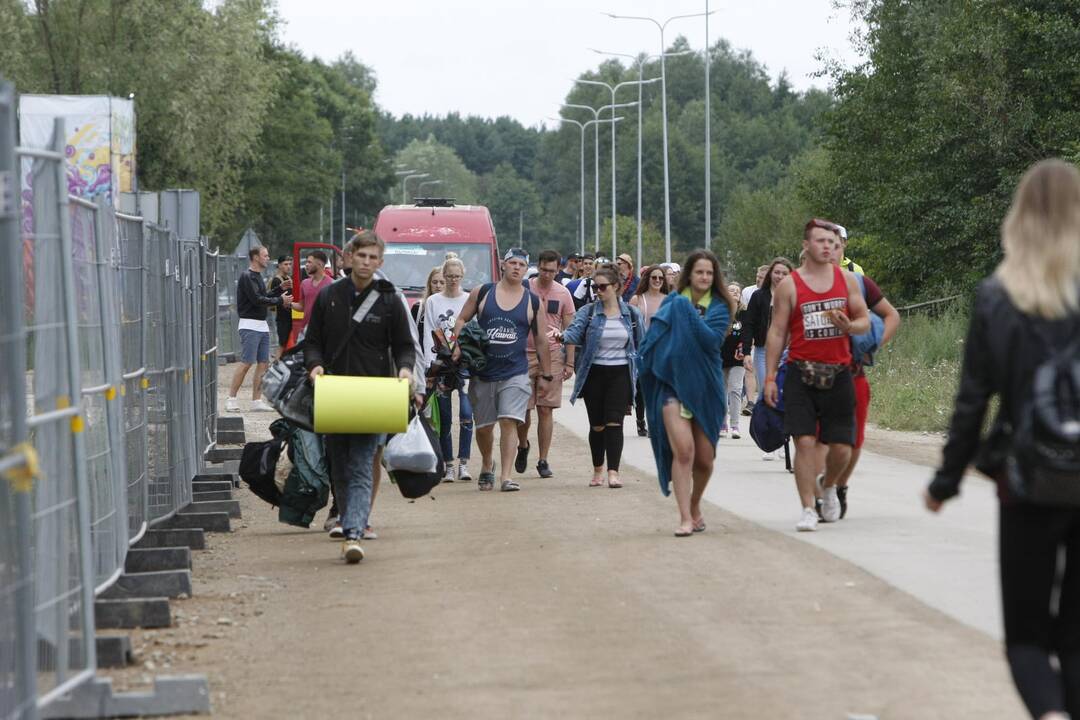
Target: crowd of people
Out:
[692,354]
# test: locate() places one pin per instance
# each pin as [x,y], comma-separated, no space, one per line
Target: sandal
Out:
[486,481]
[509,486]
[596,482]
[614,483]
[683,533]
[699,526]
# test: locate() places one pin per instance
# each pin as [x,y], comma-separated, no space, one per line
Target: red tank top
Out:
[813,336]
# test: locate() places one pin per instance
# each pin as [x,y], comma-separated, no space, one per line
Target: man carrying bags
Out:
[358,327]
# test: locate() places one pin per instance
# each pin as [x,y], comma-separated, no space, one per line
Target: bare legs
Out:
[545,423]
[691,465]
[809,458]
[256,381]
[508,439]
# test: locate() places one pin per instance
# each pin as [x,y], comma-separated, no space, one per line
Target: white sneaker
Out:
[232,405]
[463,473]
[768,457]
[261,406]
[735,435]
[330,523]
[830,509]
[723,434]
[450,475]
[336,533]
[808,521]
[352,552]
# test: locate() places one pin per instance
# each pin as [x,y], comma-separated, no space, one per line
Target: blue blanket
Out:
[681,352]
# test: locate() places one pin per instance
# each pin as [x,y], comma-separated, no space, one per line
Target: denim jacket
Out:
[585,332]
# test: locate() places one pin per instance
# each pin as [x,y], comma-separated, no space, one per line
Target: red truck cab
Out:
[417,238]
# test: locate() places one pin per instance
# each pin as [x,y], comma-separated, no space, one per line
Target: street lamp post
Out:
[402,173]
[596,160]
[613,89]
[405,181]
[663,104]
[640,61]
[582,127]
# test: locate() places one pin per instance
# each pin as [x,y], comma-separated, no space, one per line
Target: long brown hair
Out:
[719,287]
[643,285]
[766,284]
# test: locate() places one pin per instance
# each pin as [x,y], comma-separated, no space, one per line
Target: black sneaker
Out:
[543,469]
[642,430]
[841,493]
[522,460]
[748,409]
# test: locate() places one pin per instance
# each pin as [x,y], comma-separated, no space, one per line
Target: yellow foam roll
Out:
[358,405]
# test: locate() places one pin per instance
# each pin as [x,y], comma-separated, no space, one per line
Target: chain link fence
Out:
[108,403]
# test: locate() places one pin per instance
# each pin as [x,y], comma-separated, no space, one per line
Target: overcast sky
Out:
[518,57]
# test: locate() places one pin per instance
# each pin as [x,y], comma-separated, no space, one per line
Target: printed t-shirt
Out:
[440,313]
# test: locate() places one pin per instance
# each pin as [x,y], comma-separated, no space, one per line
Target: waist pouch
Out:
[818,375]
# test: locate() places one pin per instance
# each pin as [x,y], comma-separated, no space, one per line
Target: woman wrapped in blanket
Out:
[683,382]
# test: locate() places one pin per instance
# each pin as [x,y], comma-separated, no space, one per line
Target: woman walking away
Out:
[1031,301]
[434,284]
[648,298]
[683,381]
[609,333]
[755,325]
[734,372]
[440,312]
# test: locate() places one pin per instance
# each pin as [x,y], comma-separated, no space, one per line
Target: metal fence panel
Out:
[208,323]
[131,246]
[61,545]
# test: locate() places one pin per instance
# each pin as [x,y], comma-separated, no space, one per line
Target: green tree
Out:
[440,163]
[514,205]
[930,135]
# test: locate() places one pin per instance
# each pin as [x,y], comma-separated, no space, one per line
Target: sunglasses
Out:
[661,278]
[601,286]
[823,224]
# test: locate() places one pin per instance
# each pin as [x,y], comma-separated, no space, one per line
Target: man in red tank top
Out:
[815,309]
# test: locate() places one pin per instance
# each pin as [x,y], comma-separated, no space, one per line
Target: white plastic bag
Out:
[411,450]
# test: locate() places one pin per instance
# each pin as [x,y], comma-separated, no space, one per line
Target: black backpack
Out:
[258,463]
[1043,464]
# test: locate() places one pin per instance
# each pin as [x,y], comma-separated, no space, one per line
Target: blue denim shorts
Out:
[254,346]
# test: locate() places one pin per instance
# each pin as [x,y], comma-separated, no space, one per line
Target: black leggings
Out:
[1035,626]
[607,396]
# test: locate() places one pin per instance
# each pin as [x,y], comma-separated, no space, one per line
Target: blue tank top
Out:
[508,334]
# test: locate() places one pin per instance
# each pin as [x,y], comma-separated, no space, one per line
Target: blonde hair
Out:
[1041,239]
[427,285]
[452,260]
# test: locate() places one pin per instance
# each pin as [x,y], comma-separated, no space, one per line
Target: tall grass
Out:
[914,379]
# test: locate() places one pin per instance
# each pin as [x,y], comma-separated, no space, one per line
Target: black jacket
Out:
[378,347]
[1001,353]
[733,340]
[252,299]
[756,320]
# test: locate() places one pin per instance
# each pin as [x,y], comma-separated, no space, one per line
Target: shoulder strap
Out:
[357,318]
[862,284]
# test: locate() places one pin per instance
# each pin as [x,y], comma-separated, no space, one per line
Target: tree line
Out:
[916,150]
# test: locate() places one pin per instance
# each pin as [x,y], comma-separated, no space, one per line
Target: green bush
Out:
[914,379]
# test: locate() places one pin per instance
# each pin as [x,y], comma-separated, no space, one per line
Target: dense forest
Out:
[916,150]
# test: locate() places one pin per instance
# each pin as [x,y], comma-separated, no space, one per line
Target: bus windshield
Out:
[407,264]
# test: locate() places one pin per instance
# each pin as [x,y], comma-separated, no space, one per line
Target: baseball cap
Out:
[574,256]
[843,232]
[518,253]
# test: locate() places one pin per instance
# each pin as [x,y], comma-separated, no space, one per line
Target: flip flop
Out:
[680,533]
[699,527]
[596,482]
[615,484]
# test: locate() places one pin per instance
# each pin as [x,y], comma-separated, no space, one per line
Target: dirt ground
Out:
[560,600]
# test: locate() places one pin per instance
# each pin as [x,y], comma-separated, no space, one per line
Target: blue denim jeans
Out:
[352,460]
[465,421]
[759,371]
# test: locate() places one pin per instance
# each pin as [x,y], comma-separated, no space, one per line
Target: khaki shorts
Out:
[551,395]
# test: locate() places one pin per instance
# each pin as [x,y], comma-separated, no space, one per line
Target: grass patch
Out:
[914,380]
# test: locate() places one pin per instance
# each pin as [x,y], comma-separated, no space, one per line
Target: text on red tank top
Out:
[813,334]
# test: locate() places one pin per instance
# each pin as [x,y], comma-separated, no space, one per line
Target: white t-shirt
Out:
[746,293]
[440,311]
[257,325]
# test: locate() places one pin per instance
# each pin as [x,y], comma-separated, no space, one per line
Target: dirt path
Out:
[561,600]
